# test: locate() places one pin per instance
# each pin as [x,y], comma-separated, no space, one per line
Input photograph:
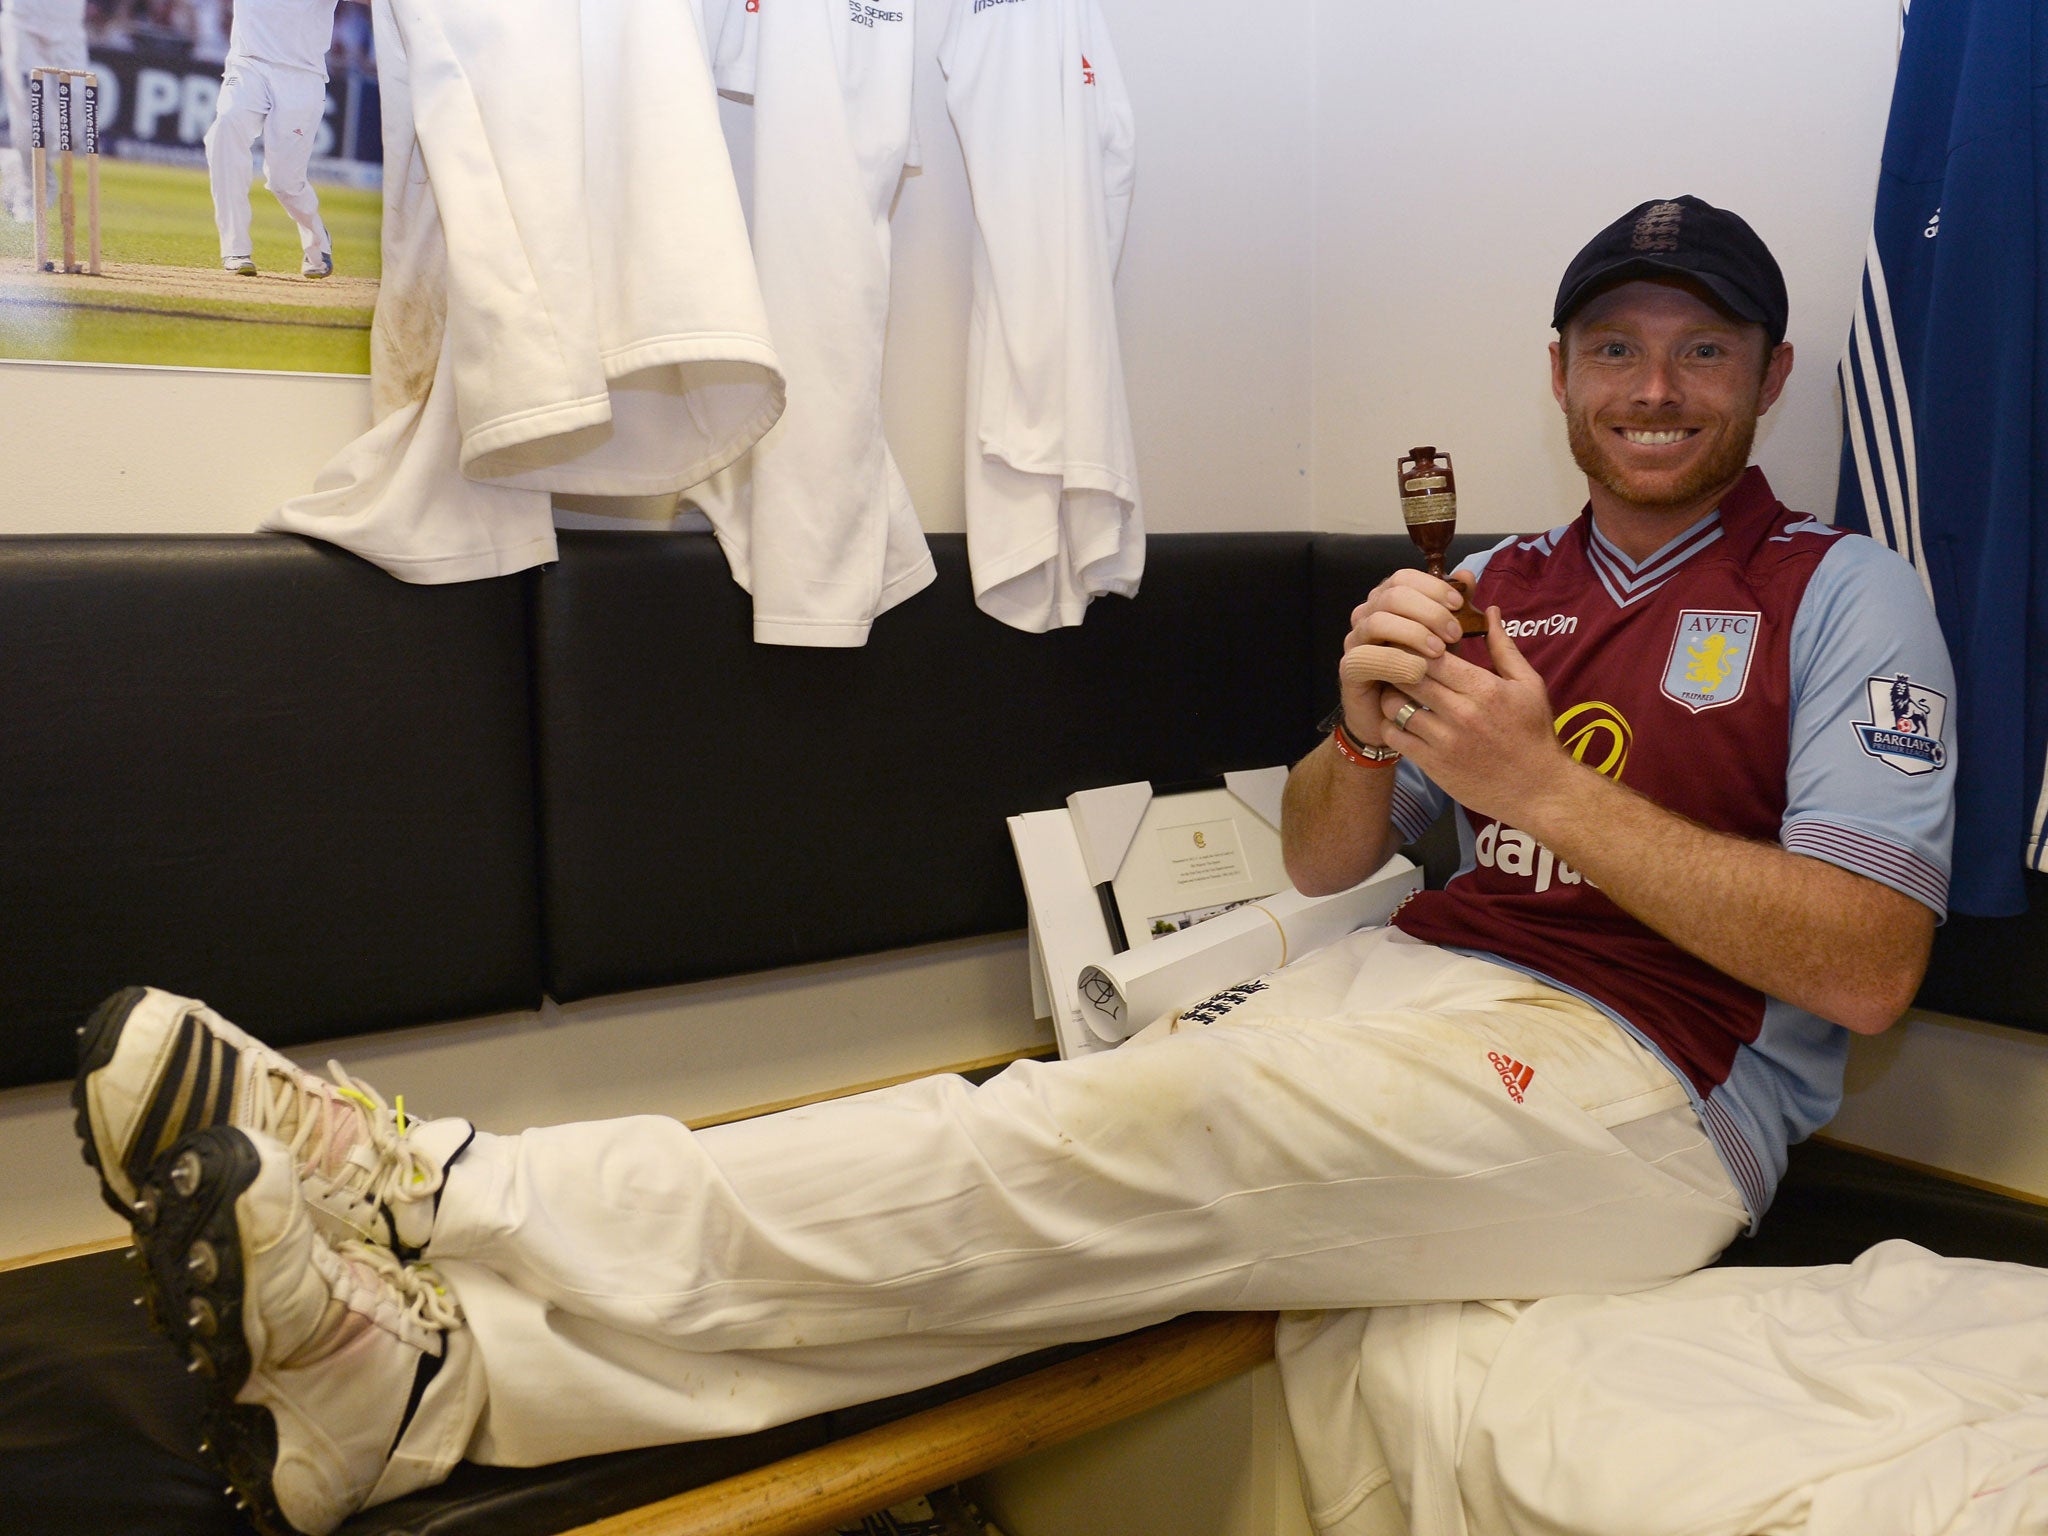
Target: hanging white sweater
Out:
[816,521]
[567,303]
[1053,518]
[1903,1395]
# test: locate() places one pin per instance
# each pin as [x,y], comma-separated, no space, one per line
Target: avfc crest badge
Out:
[1710,656]
[1905,724]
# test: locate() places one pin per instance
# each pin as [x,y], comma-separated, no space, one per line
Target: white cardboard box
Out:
[1070,857]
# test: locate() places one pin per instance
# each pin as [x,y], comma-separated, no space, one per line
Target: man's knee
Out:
[232,133]
[289,185]
[284,172]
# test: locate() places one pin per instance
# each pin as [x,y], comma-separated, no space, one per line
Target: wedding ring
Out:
[1405,713]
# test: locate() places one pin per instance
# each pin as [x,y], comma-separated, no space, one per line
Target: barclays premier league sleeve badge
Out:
[1905,724]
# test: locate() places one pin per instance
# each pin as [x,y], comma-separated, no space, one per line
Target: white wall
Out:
[156,450]
[1467,148]
[1214,295]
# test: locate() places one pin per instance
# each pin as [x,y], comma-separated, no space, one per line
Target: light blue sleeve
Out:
[1871,781]
[1417,801]
[1476,564]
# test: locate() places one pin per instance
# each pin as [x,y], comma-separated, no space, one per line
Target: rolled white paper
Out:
[1121,995]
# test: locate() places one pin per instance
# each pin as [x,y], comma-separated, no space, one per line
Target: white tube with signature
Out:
[1121,995]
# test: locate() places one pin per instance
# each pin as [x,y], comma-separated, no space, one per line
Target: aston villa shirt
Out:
[1762,674]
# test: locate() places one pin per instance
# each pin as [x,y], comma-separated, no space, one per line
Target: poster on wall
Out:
[203,203]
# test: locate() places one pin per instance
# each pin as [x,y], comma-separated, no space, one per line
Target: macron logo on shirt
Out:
[1550,624]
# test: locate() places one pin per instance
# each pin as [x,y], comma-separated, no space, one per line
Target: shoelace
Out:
[427,1301]
[384,1165]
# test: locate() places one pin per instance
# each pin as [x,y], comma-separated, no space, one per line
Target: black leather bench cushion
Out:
[101,1425]
[710,805]
[1993,968]
[262,772]
[101,1428]
[1836,1202]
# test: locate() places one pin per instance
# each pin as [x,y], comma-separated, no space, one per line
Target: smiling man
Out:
[1682,795]
[1705,809]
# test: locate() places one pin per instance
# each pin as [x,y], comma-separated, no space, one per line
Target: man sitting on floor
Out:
[1700,844]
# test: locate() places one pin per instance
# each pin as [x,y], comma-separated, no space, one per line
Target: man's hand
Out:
[1335,827]
[1413,610]
[1487,739]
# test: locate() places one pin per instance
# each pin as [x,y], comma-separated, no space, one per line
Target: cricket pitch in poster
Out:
[204,141]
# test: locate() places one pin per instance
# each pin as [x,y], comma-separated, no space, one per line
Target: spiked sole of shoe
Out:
[187,1235]
[97,1038]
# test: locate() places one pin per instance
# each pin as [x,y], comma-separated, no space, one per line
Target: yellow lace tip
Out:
[400,1102]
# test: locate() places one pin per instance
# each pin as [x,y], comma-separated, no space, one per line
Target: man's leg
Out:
[230,143]
[298,101]
[633,1391]
[1380,1123]
[1276,1159]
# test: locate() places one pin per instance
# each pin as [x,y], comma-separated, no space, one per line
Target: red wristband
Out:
[1357,752]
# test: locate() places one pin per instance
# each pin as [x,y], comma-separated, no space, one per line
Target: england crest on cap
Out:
[1905,724]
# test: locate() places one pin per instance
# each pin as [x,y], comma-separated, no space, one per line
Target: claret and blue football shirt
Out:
[1763,674]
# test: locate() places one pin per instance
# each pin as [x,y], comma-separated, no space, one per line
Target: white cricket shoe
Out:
[316,1356]
[241,266]
[319,264]
[153,1066]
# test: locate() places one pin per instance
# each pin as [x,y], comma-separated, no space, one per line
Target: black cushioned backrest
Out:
[1994,968]
[259,771]
[711,805]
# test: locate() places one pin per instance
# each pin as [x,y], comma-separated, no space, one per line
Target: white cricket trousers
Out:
[283,107]
[1381,1122]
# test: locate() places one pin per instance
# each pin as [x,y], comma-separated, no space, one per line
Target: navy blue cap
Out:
[1681,237]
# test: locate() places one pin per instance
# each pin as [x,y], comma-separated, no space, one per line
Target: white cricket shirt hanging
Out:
[816,521]
[568,300]
[1053,516]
